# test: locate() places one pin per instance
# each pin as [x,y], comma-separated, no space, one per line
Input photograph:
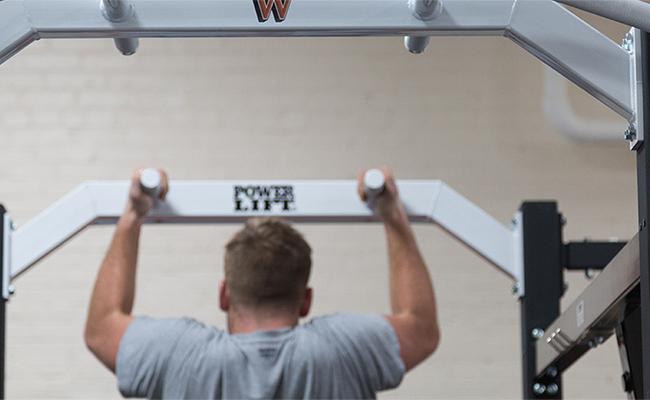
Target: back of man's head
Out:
[267,265]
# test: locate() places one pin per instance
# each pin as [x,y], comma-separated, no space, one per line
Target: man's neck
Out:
[248,322]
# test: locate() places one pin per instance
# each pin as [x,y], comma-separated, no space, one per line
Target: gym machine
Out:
[530,251]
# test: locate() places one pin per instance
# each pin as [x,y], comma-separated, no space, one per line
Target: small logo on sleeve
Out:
[264,198]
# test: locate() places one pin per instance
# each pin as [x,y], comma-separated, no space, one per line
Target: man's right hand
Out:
[140,203]
[414,312]
[387,205]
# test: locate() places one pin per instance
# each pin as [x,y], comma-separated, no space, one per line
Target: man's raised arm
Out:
[112,299]
[414,313]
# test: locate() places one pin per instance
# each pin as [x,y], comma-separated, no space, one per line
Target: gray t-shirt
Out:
[337,356]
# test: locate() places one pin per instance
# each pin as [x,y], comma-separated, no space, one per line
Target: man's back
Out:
[265,294]
[339,356]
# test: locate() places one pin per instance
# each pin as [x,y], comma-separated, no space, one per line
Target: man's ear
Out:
[306,302]
[224,297]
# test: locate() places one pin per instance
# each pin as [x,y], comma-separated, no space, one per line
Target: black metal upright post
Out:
[3,304]
[544,286]
[643,176]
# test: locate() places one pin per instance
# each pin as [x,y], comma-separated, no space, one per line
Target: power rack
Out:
[531,251]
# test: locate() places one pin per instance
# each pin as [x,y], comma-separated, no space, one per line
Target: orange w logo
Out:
[280,9]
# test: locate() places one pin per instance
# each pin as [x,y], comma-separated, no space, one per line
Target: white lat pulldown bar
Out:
[210,202]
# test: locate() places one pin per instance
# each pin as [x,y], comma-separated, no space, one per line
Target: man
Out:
[265,353]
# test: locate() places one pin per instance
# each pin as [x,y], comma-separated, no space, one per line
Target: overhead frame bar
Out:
[232,201]
[542,27]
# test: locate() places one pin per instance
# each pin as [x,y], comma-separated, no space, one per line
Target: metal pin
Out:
[423,10]
[628,42]
[515,288]
[117,11]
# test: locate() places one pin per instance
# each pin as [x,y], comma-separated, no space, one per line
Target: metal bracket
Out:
[7,228]
[518,258]
[635,134]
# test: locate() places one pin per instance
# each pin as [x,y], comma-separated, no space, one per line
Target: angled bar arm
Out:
[52,228]
[16,30]
[576,50]
[474,227]
[229,202]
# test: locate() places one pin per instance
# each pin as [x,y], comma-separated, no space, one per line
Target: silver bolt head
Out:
[628,42]
[552,372]
[11,289]
[537,333]
[552,389]
[538,388]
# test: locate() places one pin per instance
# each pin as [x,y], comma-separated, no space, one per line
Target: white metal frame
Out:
[543,27]
[311,201]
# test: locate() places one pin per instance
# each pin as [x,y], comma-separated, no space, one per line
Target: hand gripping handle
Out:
[151,181]
[374,184]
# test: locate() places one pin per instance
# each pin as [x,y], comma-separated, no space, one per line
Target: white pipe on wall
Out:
[558,110]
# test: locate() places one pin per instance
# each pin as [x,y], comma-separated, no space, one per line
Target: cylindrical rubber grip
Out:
[374,184]
[150,181]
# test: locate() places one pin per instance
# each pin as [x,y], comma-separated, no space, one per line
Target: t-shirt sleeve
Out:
[144,355]
[370,347]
